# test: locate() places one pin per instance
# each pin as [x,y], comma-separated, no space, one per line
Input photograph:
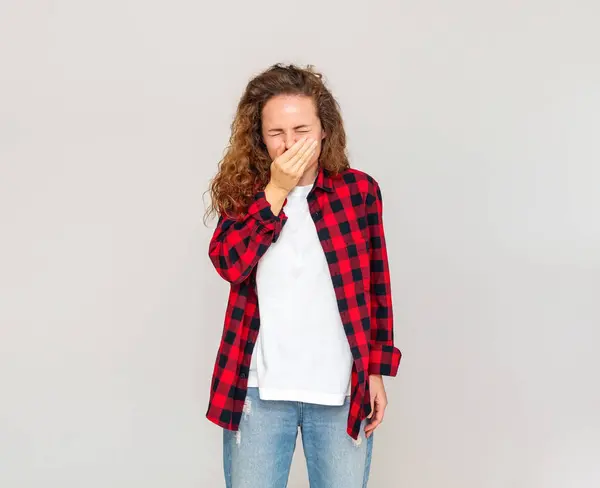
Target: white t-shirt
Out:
[302,352]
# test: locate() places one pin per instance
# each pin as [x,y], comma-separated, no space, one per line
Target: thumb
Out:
[372,406]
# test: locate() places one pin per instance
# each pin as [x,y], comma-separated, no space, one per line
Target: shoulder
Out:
[360,181]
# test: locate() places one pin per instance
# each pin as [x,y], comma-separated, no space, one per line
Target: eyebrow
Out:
[295,128]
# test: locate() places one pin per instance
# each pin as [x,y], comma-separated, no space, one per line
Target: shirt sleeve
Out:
[384,357]
[238,243]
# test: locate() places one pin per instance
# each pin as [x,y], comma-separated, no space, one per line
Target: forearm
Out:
[238,244]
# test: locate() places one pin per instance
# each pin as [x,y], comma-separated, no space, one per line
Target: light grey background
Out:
[481,120]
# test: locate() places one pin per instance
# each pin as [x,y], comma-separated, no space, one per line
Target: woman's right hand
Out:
[286,170]
[288,167]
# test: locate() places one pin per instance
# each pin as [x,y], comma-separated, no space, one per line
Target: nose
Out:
[290,140]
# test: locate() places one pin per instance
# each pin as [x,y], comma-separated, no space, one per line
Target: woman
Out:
[299,233]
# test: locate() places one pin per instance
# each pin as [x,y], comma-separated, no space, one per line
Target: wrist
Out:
[276,191]
[275,196]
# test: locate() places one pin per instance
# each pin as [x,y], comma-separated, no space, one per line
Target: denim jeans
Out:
[260,453]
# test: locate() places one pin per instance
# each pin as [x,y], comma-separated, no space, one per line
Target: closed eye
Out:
[299,128]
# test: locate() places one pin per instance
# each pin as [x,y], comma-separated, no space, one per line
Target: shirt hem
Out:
[318,398]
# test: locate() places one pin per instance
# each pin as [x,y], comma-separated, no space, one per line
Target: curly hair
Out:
[245,167]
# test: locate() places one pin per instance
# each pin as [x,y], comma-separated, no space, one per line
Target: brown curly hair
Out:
[245,168]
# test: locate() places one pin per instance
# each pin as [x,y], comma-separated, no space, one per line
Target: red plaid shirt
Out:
[347,212]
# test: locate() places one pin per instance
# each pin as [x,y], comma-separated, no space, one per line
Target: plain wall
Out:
[480,120]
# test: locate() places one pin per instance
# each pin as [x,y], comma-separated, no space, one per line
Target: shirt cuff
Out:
[384,360]
[260,209]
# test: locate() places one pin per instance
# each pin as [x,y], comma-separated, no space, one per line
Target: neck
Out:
[309,176]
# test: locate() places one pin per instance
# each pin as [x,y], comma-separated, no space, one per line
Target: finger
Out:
[292,151]
[301,167]
[372,420]
[304,158]
[379,413]
[372,407]
[371,427]
[290,163]
[377,418]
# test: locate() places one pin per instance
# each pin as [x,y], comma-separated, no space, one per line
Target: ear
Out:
[323,135]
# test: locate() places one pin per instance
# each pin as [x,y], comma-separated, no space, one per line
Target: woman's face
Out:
[287,118]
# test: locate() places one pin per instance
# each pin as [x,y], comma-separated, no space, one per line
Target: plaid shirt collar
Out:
[324,180]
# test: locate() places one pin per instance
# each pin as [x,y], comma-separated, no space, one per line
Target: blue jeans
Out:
[259,454]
